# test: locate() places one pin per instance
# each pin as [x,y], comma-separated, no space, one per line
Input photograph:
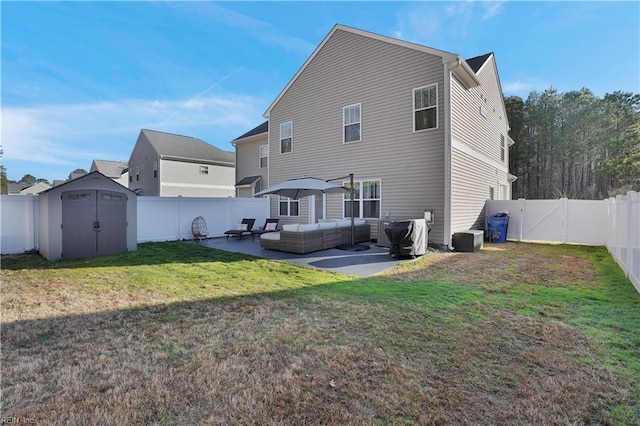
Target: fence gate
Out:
[94,223]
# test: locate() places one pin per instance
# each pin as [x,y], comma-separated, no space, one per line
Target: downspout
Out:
[447,155]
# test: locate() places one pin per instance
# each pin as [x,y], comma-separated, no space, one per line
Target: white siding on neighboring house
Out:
[187,179]
[353,69]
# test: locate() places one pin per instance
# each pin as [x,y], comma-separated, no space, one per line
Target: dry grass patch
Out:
[410,347]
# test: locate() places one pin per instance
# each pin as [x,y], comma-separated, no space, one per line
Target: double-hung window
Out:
[352,123]
[264,156]
[366,199]
[204,170]
[503,148]
[425,107]
[289,206]
[286,137]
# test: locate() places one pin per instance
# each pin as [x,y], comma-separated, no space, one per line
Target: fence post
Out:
[630,231]
[522,214]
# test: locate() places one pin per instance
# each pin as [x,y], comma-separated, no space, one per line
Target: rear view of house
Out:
[169,165]
[421,129]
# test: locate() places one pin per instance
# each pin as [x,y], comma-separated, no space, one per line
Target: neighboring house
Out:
[168,165]
[420,129]
[253,149]
[116,170]
[15,188]
[36,188]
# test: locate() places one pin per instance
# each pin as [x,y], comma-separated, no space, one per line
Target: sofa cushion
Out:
[327,225]
[308,227]
[291,227]
[343,222]
[274,236]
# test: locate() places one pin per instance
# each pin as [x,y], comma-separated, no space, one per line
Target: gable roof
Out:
[477,62]
[258,130]
[456,63]
[178,147]
[112,169]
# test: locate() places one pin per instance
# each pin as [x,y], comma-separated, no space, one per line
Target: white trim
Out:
[446,237]
[344,125]
[288,201]
[436,106]
[260,156]
[280,137]
[462,147]
[355,181]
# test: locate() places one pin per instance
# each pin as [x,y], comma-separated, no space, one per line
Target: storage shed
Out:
[86,217]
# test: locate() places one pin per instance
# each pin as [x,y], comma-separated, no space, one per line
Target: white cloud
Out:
[72,135]
[522,87]
[492,8]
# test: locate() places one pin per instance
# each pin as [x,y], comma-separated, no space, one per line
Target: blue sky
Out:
[80,79]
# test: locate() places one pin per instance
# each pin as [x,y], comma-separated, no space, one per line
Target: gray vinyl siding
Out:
[381,76]
[471,175]
[248,164]
[184,178]
[469,191]
[142,158]
[468,125]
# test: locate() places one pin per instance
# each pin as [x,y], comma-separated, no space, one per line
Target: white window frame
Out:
[283,128]
[347,111]
[358,198]
[434,106]
[288,202]
[503,148]
[204,170]
[262,155]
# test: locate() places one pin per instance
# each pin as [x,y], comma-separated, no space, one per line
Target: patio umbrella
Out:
[303,187]
[307,186]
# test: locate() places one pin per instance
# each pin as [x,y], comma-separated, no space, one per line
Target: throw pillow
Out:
[271,226]
[242,227]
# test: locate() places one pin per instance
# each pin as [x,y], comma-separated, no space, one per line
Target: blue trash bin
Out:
[497,226]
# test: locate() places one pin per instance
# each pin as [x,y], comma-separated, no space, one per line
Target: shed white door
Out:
[94,223]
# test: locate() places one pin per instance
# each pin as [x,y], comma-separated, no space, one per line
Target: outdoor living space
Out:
[179,332]
[360,263]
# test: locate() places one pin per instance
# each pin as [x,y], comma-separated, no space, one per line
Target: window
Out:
[366,200]
[425,107]
[491,193]
[289,206]
[286,137]
[351,123]
[264,156]
[137,173]
[503,153]
[204,170]
[155,169]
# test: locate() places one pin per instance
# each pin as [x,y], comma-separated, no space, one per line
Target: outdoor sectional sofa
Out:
[306,238]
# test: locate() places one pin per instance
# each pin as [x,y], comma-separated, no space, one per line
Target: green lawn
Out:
[179,333]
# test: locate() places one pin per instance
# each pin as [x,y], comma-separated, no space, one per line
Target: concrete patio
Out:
[360,263]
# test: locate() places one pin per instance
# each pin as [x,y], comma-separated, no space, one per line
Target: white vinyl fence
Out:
[159,218]
[614,223]
[169,218]
[18,223]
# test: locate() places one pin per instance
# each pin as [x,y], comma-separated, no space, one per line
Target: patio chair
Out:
[244,228]
[270,225]
[199,228]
